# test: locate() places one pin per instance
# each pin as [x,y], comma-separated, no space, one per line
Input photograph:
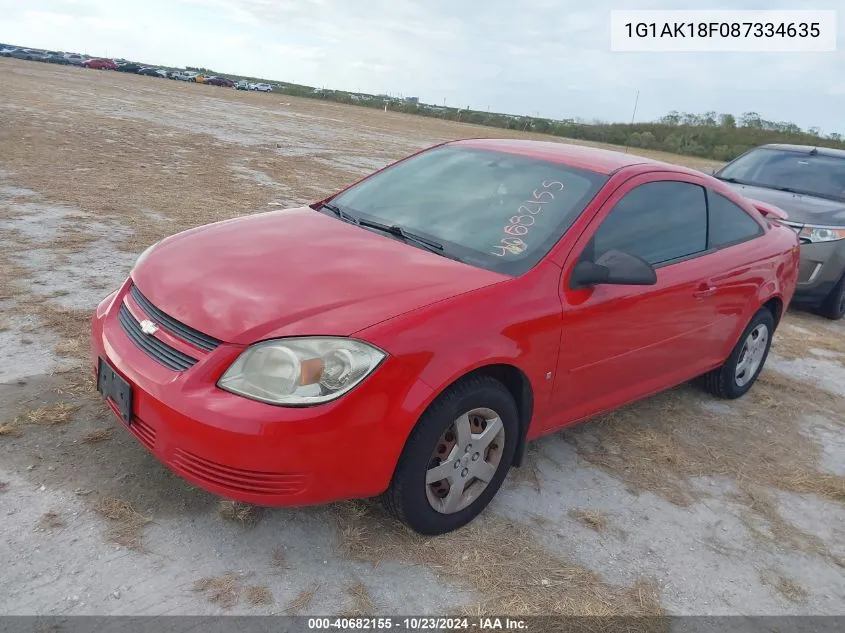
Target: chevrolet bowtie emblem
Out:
[148,327]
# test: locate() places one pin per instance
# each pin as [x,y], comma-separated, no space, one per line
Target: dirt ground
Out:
[679,504]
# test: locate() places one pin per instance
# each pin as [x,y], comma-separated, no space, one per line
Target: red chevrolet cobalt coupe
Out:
[405,337]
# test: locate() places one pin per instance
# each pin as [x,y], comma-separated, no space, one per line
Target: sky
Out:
[549,58]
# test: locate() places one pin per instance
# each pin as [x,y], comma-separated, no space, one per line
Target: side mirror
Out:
[615,268]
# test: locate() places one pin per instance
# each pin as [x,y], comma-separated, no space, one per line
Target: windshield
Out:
[495,210]
[802,172]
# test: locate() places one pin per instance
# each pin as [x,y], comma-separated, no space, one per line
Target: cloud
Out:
[532,56]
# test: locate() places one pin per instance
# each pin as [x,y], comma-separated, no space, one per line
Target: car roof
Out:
[806,149]
[603,161]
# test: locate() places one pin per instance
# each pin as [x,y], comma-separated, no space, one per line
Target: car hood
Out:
[294,272]
[800,208]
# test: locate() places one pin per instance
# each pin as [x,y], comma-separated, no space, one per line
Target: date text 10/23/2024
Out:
[418,624]
[799,31]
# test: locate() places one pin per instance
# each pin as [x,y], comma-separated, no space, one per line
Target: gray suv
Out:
[809,184]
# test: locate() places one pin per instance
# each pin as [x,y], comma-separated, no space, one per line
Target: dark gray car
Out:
[809,184]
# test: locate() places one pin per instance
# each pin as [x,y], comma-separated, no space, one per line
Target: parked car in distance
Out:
[56,58]
[24,53]
[502,290]
[809,184]
[100,64]
[261,87]
[220,81]
[150,71]
[200,78]
[74,59]
[183,75]
[129,67]
[242,85]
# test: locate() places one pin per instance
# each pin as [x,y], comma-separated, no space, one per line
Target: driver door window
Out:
[660,222]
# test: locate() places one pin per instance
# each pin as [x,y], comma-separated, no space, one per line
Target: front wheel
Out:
[456,458]
[833,307]
[735,377]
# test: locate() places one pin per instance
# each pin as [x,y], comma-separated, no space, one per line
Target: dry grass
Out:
[801,334]
[5,325]
[362,603]
[593,519]
[10,274]
[278,558]
[787,588]
[10,429]
[70,347]
[237,512]
[51,520]
[77,382]
[221,590]
[664,444]
[528,473]
[126,525]
[259,595]
[497,558]
[52,415]
[96,436]
[302,600]
[70,324]
[762,519]
[47,415]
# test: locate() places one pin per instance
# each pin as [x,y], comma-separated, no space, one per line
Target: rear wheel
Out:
[833,307]
[456,458]
[735,377]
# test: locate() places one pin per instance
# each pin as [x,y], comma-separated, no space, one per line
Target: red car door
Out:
[739,264]
[622,342]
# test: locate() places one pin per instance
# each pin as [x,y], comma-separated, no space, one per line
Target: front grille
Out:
[156,348]
[176,328]
[250,481]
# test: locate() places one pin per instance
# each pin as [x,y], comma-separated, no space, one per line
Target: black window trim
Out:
[708,249]
[761,231]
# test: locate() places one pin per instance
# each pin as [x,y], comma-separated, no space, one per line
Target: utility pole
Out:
[636,101]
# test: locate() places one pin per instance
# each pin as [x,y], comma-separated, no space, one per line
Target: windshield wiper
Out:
[340,212]
[733,180]
[398,231]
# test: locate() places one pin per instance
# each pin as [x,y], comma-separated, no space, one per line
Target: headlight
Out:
[817,234]
[300,371]
[145,253]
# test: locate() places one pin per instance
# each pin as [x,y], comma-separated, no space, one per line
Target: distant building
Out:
[412,99]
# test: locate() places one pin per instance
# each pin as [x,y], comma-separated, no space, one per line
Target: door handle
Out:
[704,292]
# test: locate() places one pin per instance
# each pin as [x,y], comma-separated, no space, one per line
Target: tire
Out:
[727,381]
[833,307]
[493,419]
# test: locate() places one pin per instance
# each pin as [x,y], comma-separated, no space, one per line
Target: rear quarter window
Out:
[728,223]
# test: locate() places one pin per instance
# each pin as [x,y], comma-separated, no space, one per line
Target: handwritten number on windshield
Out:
[520,224]
[512,245]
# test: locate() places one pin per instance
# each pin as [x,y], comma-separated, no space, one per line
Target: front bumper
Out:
[254,452]
[822,266]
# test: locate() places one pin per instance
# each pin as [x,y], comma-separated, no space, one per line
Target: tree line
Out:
[712,135]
